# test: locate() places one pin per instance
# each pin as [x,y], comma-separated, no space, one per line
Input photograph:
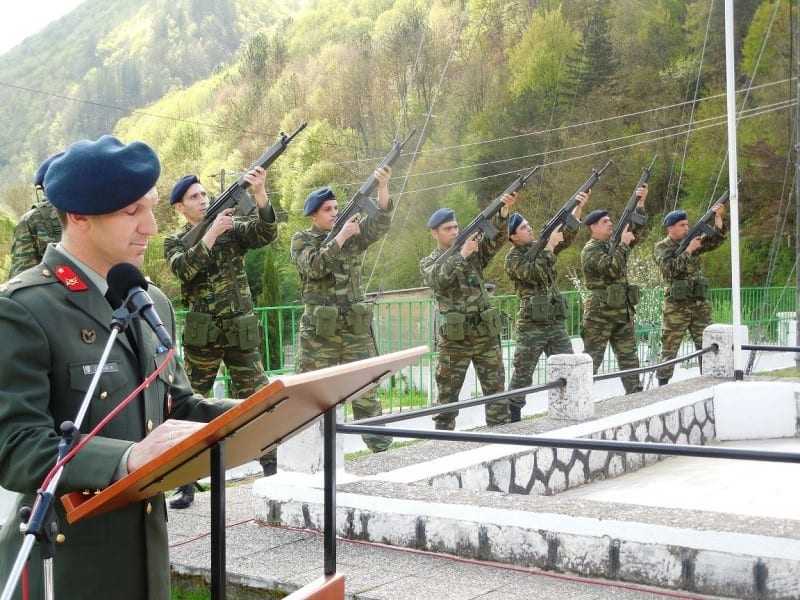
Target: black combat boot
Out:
[269,465]
[183,497]
[662,381]
[516,413]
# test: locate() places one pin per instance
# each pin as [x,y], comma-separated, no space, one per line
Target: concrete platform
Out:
[263,561]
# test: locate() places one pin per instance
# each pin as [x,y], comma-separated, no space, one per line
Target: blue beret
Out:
[38,179]
[514,221]
[443,215]
[594,216]
[315,199]
[180,187]
[674,216]
[102,176]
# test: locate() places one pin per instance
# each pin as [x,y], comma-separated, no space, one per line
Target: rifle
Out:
[563,218]
[361,201]
[236,195]
[483,222]
[702,227]
[629,215]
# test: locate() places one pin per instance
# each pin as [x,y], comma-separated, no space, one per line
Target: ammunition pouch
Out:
[453,326]
[359,318]
[537,308]
[197,329]
[248,331]
[324,319]
[634,295]
[680,290]
[490,322]
[616,295]
[701,288]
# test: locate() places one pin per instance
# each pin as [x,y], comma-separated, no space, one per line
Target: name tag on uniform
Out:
[110,367]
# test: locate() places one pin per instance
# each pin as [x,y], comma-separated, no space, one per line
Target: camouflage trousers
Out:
[533,339]
[679,318]
[318,352]
[620,334]
[454,357]
[244,367]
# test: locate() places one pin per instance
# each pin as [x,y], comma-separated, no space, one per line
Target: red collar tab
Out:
[70,279]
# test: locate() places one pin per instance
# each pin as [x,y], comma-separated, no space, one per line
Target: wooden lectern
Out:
[273,414]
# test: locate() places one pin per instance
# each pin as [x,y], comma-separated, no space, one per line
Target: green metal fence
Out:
[400,324]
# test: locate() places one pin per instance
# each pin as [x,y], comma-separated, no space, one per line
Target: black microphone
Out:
[126,281]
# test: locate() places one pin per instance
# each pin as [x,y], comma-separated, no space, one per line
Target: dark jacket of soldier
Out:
[59,336]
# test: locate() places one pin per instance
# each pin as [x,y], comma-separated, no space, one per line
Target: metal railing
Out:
[401,324]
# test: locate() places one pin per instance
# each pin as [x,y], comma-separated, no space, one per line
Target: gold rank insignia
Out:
[88,336]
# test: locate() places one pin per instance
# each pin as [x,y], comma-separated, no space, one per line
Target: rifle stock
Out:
[629,215]
[483,222]
[236,196]
[361,202]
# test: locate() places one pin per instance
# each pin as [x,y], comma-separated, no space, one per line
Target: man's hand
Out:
[257,178]
[168,434]
[508,202]
[470,246]
[223,223]
[641,194]
[555,239]
[582,199]
[694,245]
[627,236]
[383,175]
[348,230]
[719,210]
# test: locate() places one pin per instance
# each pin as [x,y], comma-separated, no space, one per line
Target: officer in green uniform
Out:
[36,228]
[542,310]
[469,326]
[336,326]
[60,320]
[608,313]
[686,303]
[220,325]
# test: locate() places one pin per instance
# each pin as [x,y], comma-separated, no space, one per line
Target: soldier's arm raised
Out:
[185,263]
[671,266]
[438,275]
[258,230]
[373,227]
[312,261]
[24,253]
[487,247]
[529,266]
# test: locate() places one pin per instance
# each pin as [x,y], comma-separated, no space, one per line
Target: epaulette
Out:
[38,275]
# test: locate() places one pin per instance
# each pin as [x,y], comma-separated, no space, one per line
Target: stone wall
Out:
[549,471]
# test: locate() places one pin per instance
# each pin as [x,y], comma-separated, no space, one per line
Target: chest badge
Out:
[88,336]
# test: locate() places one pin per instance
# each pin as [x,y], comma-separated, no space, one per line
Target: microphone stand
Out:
[40,523]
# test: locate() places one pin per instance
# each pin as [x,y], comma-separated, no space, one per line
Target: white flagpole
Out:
[730,79]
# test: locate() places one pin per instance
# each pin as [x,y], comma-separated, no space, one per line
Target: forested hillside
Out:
[492,86]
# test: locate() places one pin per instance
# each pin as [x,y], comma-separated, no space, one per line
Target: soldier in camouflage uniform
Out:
[336,326]
[686,304]
[37,228]
[220,325]
[542,310]
[608,314]
[469,327]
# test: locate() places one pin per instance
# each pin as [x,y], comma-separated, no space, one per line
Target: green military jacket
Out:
[214,281]
[683,275]
[37,228]
[58,336]
[330,275]
[605,275]
[534,277]
[457,282]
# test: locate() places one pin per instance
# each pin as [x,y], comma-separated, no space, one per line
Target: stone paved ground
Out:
[267,558]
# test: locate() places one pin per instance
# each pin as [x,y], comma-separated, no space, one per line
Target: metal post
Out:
[329,465]
[218,522]
[794,16]
[733,186]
